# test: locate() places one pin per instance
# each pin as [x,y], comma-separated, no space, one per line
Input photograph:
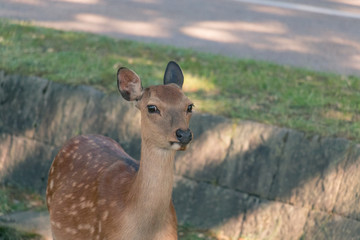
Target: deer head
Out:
[165,110]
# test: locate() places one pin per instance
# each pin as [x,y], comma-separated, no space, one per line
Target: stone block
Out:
[253,158]
[310,171]
[183,198]
[25,162]
[271,220]
[54,112]
[22,101]
[62,116]
[210,207]
[324,226]
[348,200]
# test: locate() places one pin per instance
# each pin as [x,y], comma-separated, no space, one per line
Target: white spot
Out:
[68,195]
[70,230]
[74,213]
[58,225]
[84,226]
[105,215]
[86,204]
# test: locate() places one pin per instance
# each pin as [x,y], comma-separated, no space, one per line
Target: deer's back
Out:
[88,184]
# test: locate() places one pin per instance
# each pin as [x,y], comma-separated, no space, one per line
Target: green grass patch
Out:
[8,233]
[186,232]
[14,199]
[317,103]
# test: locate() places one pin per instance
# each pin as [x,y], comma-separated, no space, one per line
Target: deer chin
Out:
[178,146]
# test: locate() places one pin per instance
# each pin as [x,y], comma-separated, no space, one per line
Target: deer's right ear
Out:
[129,84]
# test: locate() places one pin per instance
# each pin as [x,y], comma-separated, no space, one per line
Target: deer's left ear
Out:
[129,84]
[173,74]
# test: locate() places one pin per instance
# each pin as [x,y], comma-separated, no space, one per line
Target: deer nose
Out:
[184,136]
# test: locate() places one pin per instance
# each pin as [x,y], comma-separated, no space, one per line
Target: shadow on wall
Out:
[238,178]
[262,182]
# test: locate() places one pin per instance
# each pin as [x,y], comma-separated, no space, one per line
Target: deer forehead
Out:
[169,94]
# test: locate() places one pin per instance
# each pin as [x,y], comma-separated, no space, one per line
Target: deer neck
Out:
[152,188]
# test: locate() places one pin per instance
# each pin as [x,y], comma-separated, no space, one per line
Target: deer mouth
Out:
[178,146]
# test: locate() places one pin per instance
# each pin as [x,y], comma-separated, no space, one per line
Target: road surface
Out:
[321,35]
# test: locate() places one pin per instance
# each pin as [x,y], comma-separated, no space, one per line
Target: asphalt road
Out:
[322,35]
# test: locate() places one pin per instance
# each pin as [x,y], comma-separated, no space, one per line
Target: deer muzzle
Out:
[184,136]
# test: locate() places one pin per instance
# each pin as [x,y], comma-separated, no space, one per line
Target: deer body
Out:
[97,191]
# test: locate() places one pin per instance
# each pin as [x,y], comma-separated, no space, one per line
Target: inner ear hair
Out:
[129,84]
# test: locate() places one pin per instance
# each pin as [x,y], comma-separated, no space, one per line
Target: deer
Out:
[97,191]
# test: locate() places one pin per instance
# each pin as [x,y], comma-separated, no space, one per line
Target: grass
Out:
[8,233]
[14,199]
[188,233]
[317,103]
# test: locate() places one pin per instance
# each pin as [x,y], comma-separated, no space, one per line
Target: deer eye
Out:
[153,109]
[189,108]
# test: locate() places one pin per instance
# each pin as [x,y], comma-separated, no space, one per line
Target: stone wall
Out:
[241,179]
